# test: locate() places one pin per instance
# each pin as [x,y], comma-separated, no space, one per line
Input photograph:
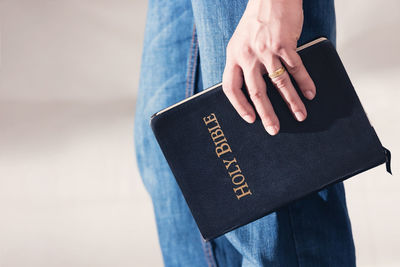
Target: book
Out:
[232,173]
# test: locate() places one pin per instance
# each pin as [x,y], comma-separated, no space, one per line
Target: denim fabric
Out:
[184,53]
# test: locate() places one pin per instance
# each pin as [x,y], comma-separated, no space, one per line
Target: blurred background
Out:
[70,191]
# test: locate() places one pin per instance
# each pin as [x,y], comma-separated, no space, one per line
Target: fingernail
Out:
[299,115]
[248,118]
[272,130]
[309,94]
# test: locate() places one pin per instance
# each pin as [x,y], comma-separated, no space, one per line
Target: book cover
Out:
[232,172]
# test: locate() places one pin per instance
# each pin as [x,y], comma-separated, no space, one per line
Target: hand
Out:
[266,37]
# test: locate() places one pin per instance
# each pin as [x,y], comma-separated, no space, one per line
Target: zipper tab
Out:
[388,157]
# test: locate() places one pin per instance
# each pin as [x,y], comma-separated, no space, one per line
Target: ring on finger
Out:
[277,72]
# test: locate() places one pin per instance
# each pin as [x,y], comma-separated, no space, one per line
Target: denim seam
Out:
[210,255]
[189,78]
[195,55]
[293,235]
[206,245]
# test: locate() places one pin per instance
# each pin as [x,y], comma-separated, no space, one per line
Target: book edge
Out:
[338,180]
[302,47]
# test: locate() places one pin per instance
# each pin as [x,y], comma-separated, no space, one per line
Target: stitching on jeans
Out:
[203,246]
[195,55]
[190,62]
[206,245]
[293,235]
[212,260]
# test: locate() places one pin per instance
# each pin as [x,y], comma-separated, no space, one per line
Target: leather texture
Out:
[335,142]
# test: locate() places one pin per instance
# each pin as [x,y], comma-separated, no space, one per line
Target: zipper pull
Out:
[388,157]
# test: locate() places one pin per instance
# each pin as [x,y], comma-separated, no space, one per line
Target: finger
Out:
[232,82]
[295,66]
[286,88]
[258,94]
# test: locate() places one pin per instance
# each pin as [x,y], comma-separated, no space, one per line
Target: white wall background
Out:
[70,193]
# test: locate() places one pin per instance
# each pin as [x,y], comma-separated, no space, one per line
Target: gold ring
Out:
[277,73]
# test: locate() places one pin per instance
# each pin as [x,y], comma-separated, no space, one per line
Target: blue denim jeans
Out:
[184,53]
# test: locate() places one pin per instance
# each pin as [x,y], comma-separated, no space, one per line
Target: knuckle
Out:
[276,47]
[246,51]
[292,100]
[256,94]
[269,119]
[296,104]
[228,88]
[295,68]
[261,46]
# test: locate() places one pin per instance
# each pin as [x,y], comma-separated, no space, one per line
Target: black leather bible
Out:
[231,172]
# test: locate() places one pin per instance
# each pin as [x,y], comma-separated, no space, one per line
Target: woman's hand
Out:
[266,37]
